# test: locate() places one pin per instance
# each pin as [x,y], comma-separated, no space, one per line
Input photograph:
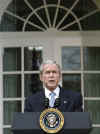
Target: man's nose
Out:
[51,73]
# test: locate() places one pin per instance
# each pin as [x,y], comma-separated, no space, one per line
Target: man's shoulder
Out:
[70,93]
[35,95]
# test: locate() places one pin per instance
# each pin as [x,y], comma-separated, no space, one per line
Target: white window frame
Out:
[52,43]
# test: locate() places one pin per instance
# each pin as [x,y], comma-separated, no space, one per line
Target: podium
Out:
[74,123]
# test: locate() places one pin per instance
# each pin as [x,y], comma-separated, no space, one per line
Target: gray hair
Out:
[49,62]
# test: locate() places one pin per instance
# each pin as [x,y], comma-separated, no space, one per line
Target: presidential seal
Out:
[51,120]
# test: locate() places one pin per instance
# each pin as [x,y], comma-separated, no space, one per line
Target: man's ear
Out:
[41,77]
[60,77]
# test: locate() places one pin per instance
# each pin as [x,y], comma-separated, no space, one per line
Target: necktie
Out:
[52,99]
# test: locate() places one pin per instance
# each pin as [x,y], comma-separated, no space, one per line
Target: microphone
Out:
[46,102]
[57,102]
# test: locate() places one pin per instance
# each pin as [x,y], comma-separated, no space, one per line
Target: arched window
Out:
[63,15]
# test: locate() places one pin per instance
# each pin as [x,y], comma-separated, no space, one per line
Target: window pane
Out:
[7,131]
[32,84]
[92,85]
[72,82]
[32,58]
[94,108]
[9,109]
[12,59]
[71,58]
[92,58]
[95,130]
[12,86]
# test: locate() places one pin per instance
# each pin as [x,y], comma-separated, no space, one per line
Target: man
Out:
[50,74]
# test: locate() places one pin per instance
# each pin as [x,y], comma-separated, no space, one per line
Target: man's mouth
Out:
[51,80]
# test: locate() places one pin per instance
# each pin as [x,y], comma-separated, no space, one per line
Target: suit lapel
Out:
[65,102]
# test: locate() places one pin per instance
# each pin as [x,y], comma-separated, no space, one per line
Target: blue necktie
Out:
[52,99]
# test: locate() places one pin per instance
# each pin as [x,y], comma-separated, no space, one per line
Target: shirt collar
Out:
[56,91]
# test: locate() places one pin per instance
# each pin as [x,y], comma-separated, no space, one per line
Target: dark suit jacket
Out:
[70,101]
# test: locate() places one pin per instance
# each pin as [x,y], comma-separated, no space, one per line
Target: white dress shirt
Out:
[56,91]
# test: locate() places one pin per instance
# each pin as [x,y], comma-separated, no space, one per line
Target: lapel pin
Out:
[65,102]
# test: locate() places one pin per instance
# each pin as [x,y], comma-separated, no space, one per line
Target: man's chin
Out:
[51,87]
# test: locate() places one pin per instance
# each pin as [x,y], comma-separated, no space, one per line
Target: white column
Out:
[1,93]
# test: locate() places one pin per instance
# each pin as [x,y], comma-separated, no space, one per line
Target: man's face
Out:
[50,76]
